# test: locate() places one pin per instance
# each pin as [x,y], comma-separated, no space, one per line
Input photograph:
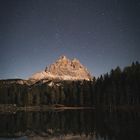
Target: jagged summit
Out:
[64,69]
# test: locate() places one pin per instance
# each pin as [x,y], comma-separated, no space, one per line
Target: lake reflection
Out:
[70,125]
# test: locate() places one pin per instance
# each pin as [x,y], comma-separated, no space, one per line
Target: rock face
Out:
[64,69]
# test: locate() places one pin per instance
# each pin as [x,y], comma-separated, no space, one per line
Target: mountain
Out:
[63,69]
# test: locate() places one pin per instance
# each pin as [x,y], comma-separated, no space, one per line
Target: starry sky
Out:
[102,34]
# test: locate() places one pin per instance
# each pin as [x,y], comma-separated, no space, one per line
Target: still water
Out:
[70,125]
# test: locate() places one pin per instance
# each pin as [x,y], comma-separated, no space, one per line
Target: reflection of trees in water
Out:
[109,125]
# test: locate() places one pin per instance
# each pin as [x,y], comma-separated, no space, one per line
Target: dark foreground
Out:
[82,124]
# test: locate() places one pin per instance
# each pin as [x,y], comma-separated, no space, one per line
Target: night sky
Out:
[102,34]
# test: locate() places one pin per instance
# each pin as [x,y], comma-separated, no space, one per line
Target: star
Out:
[103,14]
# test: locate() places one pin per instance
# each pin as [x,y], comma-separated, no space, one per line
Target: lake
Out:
[70,125]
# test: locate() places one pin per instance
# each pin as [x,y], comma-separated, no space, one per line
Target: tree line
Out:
[119,87]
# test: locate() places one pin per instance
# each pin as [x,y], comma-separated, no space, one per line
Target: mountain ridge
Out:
[63,69]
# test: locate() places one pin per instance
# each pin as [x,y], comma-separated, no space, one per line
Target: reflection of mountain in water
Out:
[71,125]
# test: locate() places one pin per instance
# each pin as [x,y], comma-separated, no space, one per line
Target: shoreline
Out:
[59,107]
[13,108]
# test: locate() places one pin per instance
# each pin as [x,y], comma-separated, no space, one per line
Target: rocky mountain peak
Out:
[64,69]
[63,57]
